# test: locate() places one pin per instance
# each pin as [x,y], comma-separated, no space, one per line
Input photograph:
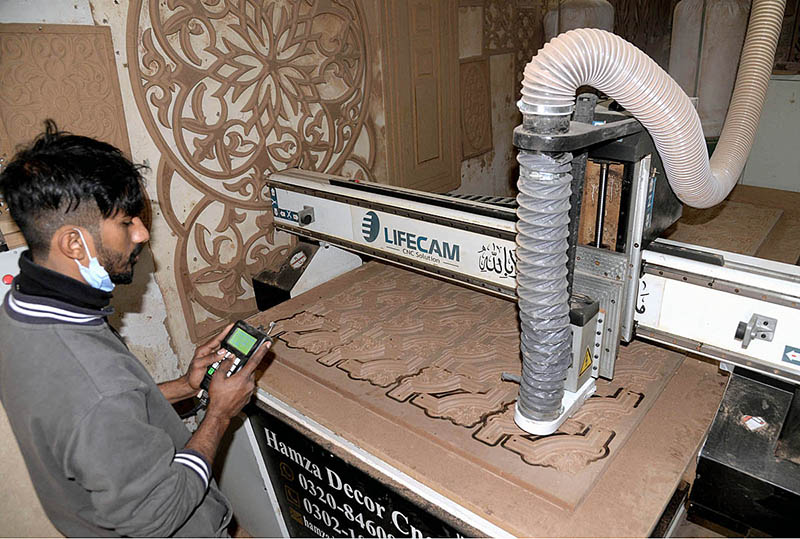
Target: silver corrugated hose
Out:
[542,240]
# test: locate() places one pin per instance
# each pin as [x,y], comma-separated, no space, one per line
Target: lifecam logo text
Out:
[411,244]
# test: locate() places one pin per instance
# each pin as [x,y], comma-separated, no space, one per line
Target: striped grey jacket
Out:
[102,444]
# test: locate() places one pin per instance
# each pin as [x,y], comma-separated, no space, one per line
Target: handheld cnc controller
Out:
[240,343]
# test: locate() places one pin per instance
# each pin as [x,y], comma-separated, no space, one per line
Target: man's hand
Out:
[189,384]
[204,356]
[228,395]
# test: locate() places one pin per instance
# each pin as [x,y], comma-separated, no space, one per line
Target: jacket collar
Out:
[37,280]
[43,310]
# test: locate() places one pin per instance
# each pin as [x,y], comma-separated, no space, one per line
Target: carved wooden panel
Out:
[498,27]
[63,72]
[476,108]
[430,355]
[421,74]
[230,90]
[529,39]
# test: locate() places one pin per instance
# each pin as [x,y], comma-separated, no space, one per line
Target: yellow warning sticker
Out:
[587,362]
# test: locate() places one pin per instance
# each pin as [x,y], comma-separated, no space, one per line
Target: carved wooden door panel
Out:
[64,72]
[421,73]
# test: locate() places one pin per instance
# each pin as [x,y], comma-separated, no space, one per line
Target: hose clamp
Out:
[545,110]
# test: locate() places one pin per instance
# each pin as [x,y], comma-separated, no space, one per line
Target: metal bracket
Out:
[726,366]
[598,343]
[759,327]
[579,136]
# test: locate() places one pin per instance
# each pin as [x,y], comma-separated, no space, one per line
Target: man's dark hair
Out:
[63,178]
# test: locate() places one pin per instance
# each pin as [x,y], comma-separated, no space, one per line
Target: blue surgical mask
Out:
[95,274]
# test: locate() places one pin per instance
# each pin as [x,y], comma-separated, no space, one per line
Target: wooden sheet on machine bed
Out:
[409,368]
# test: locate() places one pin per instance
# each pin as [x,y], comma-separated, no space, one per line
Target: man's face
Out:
[123,238]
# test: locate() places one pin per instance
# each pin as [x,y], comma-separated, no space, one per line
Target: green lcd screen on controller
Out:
[242,341]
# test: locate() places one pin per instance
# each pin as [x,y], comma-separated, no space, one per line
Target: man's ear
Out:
[67,242]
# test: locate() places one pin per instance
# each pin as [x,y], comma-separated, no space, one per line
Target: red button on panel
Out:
[8,278]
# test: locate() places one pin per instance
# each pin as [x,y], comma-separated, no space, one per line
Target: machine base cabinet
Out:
[748,471]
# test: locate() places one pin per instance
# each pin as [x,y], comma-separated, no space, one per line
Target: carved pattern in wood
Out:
[529,39]
[231,90]
[476,108]
[794,29]
[648,25]
[466,408]
[63,72]
[498,26]
[443,349]
[569,452]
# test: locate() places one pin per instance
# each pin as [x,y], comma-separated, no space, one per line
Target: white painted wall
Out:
[494,172]
[46,11]
[775,160]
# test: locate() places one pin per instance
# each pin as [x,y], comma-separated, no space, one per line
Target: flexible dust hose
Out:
[542,240]
[606,62]
[610,64]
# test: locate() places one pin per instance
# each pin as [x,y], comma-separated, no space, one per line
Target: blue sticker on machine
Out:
[277,211]
[274,196]
[791,355]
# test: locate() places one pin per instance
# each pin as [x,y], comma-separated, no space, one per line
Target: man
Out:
[107,453]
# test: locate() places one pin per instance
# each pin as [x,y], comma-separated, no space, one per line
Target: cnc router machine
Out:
[737,310]
[385,416]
